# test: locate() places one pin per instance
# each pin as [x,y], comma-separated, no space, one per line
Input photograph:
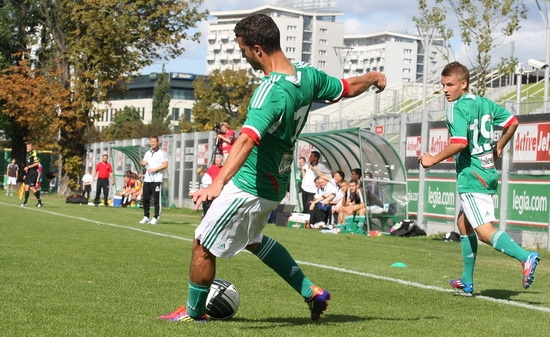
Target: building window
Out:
[291,39]
[290,28]
[321,64]
[323,42]
[407,61]
[187,114]
[323,31]
[175,114]
[322,53]
[290,49]
[407,51]
[406,70]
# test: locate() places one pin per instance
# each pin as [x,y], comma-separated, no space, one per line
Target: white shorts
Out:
[234,220]
[12,181]
[478,208]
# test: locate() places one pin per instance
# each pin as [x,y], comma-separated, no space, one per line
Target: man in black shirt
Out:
[31,175]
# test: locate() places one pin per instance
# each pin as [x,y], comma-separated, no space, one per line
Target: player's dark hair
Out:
[261,30]
[458,69]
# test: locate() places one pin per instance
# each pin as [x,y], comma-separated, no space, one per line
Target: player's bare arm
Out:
[360,84]
[507,134]
[427,160]
[239,152]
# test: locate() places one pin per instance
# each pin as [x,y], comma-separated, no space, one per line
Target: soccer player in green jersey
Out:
[471,120]
[255,177]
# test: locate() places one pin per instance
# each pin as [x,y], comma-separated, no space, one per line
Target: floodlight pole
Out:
[342,53]
[427,32]
[546,19]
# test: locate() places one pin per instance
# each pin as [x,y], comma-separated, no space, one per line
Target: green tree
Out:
[222,96]
[161,99]
[127,124]
[483,24]
[18,22]
[90,47]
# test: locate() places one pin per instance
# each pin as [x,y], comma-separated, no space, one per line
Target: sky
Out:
[370,16]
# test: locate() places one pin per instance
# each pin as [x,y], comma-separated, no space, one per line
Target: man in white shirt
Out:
[320,206]
[154,161]
[308,182]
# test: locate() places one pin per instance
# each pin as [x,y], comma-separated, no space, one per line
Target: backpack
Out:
[408,228]
[76,199]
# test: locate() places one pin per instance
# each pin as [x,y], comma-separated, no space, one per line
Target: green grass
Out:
[76,270]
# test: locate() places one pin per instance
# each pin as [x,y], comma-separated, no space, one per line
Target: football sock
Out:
[196,299]
[502,242]
[468,243]
[26,196]
[351,225]
[275,256]
[37,195]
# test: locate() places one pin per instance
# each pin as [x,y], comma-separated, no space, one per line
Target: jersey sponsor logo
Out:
[294,270]
[487,161]
[222,246]
[532,143]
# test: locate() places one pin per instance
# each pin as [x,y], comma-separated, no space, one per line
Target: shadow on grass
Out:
[504,294]
[326,320]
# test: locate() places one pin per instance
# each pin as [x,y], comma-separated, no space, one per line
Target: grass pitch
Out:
[76,270]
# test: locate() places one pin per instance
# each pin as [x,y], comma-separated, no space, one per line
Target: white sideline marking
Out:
[322,266]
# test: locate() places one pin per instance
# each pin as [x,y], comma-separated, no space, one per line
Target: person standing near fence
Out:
[103,177]
[155,161]
[471,121]
[12,172]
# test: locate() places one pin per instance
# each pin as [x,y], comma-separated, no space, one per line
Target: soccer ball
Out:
[223,300]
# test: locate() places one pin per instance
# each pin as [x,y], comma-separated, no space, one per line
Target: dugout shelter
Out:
[352,148]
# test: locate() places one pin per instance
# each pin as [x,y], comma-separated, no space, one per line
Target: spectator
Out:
[370,185]
[308,182]
[339,201]
[299,172]
[53,184]
[136,190]
[320,205]
[355,209]
[206,180]
[155,161]
[225,138]
[357,176]
[12,172]
[103,177]
[214,169]
[87,180]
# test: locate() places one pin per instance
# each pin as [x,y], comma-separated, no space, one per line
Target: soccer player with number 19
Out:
[471,120]
[255,177]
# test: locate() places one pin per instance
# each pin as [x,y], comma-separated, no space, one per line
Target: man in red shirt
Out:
[213,170]
[103,176]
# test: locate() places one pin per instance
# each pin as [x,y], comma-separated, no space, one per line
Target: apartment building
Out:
[317,38]
[306,35]
[400,56]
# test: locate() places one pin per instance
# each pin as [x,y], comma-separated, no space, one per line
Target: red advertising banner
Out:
[532,143]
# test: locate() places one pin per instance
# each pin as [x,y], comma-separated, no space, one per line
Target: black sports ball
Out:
[223,300]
